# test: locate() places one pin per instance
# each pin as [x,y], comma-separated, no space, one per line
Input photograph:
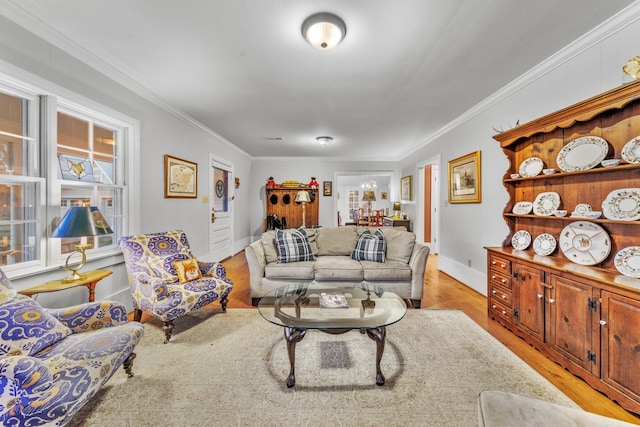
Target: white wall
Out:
[583,70]
[160,133]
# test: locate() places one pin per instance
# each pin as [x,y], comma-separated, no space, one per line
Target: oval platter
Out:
[582,154]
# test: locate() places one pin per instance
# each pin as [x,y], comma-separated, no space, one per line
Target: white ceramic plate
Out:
[631,151]
[622,204]
[627,261]
[544,244]
[546,203]
[531,167]
[585,243]
[521,240]
[522,208]
[582,154]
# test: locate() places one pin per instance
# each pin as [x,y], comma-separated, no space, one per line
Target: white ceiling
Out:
[241,67]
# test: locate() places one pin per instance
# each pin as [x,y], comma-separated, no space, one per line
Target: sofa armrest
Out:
[26,384]
[91,316]
[212,269]
[256,261]
[418,264]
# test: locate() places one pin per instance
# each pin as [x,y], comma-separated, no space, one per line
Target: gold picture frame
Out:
[465,184]
[406,192]
[180,178]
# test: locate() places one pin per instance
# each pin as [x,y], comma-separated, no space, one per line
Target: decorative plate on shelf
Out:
[521,240]
[531,167]
[546,203]
[522,208]
[631,151]
[544,244]
[585,243]
[622,204]
[627,261]
[582,154]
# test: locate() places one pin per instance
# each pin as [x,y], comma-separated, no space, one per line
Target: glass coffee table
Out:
[336,308]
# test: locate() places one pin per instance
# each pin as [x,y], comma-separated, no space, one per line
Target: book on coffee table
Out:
[333,300]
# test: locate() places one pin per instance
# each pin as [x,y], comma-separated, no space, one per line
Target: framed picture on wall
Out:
[180,178]
[326,187]
[464,179]
[405,188]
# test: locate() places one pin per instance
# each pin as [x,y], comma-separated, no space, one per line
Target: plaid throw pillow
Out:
[294,246]
[370,247]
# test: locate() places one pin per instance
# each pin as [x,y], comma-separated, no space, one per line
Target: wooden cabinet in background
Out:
[584,317]
[281,202]
[396,222]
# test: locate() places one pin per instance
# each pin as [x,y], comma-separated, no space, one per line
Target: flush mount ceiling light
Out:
[324,140]
[324,30]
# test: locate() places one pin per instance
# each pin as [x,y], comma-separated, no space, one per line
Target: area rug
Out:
[229,369]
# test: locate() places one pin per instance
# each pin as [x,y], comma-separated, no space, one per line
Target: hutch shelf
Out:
[584,317]
[281,202]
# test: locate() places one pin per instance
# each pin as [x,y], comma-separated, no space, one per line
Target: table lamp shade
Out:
[396,206]
[80,221]
[302,196]
[369,196]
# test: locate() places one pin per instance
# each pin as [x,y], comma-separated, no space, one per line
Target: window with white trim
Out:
[55,154]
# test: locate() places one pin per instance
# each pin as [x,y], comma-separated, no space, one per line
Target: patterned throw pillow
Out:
[26,328]
[187,270]
[370,247]
[293,246]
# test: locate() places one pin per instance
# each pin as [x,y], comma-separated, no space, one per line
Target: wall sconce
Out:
[237,182]
[81,221]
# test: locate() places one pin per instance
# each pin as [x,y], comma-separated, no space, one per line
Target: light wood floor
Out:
[442,291]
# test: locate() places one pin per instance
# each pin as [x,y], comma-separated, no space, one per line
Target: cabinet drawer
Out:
[499,309]
[499,279]
[501,294]
[500,264]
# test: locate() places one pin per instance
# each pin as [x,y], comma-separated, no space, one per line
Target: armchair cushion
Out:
[163,266]
[187,270]
[26,328]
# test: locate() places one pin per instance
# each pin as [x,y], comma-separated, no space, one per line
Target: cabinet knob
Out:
[603,322]
[551,300]
[504,297]
[494,306]
[540,296]
[503,265]
[493,291]
[493,263]
[504,280]
[504,311]
[493,277]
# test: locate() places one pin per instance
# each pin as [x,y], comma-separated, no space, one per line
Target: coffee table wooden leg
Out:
[378,335]
[293,336]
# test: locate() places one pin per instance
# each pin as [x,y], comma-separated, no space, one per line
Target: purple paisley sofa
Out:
[52,361]
[154,282]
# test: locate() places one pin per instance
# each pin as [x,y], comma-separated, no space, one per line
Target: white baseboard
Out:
[474,279]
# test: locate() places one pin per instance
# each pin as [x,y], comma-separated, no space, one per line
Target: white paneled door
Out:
[221,207]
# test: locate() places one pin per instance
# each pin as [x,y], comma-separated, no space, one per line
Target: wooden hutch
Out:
[281,202]
[584,317]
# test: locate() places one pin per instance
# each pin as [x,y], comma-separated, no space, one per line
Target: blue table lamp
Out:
[81,221]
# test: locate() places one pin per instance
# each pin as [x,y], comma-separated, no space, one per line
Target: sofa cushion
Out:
[399,244]
[26,328]
[302,270]
[187,270]
[333,268]
[162,266]
[293,246]
[388,271]
[370,247]
[336,241]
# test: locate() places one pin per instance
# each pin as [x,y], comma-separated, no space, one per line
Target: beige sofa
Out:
[402,272]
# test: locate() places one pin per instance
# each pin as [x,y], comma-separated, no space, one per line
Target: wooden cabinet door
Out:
[570,326]
[620,337]
[530,297]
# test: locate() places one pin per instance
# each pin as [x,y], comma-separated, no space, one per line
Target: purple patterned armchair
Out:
[167,281]
[52,361]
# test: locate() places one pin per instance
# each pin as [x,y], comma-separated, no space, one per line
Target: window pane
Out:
[73,134]
[103,153]
[73,196]
[109,205]
[15,135]
[18,222]
[221,190]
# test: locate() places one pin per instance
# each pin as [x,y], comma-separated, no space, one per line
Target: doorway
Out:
[221,208]
[427,211]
